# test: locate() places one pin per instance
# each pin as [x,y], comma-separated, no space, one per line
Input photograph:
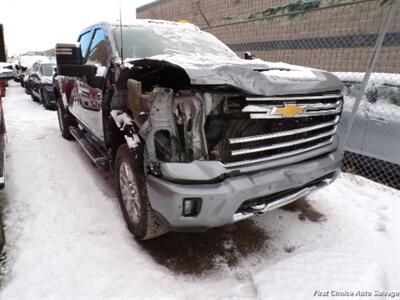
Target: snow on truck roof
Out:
[151,23]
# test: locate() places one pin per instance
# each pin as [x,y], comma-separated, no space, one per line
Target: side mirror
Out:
[68,54]
[70,61]
[249,55]
[372,94]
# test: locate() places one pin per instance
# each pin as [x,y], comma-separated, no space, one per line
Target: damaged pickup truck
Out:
[195,136]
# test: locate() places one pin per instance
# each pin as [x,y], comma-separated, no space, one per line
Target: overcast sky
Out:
[40,24]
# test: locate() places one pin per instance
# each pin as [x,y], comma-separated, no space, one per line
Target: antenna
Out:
[120,32]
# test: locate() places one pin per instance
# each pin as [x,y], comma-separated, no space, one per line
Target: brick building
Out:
[336,35]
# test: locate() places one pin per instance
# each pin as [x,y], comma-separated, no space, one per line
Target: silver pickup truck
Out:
[195,136]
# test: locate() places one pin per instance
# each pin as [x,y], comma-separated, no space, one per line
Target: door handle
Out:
[378,120]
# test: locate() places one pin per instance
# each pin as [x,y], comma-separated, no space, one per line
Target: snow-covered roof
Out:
[153,23]
[29,60]
[376,78]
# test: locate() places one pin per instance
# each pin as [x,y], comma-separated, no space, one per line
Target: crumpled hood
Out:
[255,77]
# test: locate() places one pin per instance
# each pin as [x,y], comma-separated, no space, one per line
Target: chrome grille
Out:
[256,134]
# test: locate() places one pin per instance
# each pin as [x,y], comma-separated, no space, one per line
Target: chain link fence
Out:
[372,110]
[367,45]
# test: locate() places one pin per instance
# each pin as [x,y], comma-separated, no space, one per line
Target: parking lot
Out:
[66,237]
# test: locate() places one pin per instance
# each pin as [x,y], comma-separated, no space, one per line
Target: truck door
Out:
[382,139]
[91,87]
[74,102]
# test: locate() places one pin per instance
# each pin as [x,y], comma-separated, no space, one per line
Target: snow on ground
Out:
[67,238]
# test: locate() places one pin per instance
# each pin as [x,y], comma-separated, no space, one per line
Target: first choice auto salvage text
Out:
[335,293]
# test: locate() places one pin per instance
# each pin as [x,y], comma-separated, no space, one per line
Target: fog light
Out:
[191,207]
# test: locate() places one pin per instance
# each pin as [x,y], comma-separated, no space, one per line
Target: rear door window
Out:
[84,40]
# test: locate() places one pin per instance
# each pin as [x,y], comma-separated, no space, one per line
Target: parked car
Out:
[40,82]
[4,77]
[2,145]
[195,136]
[25,62]
[6,73]
[25,81]
[376,130]
[2,164]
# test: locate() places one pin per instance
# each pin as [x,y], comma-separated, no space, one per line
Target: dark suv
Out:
[40,83]
[195,136]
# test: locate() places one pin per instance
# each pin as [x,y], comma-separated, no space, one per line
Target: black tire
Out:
[43,100]
[2,235]
[147,225]
[65,120]
[34,98]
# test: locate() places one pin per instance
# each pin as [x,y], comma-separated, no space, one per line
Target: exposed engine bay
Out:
[178,126]
[181,123]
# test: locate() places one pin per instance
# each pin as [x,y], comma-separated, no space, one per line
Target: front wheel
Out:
[34,98]
[132,191]
[65,120]
[43,99]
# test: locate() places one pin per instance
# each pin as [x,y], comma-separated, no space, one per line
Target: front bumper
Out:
[221,201]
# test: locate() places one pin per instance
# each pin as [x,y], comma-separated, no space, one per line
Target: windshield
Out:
[145,41]
[48,69]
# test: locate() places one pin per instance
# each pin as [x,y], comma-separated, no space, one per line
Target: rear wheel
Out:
[132,191]
[65,120]
[34,98]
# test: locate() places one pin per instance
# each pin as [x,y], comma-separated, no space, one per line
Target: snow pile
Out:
[294,75]
[67,238]
[133,141]
[121,118]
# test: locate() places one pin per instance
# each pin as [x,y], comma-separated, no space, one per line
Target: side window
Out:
[99,50]
[35,68]
[84,39]
[389,94]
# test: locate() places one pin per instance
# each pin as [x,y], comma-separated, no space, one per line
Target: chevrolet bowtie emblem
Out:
[288,111]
